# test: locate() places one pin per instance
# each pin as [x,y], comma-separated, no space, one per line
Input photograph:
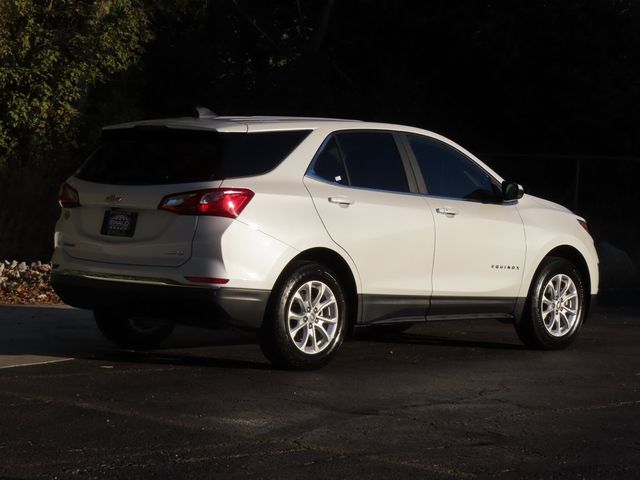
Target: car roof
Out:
[236,123]
[245,124]
[263,123]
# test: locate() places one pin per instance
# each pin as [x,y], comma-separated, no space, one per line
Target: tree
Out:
[51,53]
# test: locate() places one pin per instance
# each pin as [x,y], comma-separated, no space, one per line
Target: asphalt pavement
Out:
[450,400]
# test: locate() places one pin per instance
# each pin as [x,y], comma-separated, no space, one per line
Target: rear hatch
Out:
[123,182]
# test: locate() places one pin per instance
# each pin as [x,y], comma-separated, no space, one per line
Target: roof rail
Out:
[204,112]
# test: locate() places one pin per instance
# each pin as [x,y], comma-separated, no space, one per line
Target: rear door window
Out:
[329,165]
[168,156]
[362,159]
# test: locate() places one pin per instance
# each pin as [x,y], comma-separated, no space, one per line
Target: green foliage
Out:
[51,53]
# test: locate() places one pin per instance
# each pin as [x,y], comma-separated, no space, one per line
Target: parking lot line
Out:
[27,361]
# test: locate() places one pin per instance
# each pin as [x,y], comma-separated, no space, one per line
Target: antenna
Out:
[204,112]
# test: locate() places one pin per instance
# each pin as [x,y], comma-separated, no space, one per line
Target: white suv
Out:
[304,228]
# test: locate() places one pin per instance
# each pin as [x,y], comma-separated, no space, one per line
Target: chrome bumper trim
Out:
[112,277]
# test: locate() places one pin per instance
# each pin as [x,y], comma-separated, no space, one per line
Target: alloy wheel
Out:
[560,305]
[312,319]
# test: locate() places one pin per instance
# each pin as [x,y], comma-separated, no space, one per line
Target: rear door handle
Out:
[447,211]
[341,200]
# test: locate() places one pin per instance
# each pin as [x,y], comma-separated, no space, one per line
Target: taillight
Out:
[68,196]
[217,202]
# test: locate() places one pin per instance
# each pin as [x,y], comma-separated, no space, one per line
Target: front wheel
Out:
[132,332]
[555,308]
[305,322]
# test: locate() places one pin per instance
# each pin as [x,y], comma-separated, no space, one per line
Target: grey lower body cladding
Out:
[204,306]
[379,309]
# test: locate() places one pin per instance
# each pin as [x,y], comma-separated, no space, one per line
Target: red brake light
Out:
[217,202]
[68,196]
[215,281]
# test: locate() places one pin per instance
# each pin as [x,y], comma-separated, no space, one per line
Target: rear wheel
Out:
[305,322]
[132,332]
[555,308]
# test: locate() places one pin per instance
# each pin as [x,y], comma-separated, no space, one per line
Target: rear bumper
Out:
[206,306]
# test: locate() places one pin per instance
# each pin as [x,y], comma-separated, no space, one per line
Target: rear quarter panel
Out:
[282,212]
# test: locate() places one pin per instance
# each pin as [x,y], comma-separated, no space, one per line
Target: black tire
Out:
[132,332]
[276,342]
[531,328]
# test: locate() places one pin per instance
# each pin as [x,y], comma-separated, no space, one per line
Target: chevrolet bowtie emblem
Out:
[113,199]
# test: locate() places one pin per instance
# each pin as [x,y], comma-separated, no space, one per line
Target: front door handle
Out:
[447,211]
[341,200]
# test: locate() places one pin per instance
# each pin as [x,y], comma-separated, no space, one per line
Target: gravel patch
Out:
[22,283]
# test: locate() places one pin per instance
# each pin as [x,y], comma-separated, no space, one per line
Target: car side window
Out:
[449,173]
[372,161]
[329,165]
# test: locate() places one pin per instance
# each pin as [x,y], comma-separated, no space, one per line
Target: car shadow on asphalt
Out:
[71,333]
[57,333]
[433,340]
[167,355]
[167,358]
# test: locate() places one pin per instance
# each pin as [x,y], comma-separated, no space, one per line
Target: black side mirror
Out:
[511,191]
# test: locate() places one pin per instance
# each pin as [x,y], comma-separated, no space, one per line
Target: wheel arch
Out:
[572,255]
[339,265]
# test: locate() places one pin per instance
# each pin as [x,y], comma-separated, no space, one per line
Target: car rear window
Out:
[163,156]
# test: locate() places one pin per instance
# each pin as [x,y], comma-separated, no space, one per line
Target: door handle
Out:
[447,211]
[341,200]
